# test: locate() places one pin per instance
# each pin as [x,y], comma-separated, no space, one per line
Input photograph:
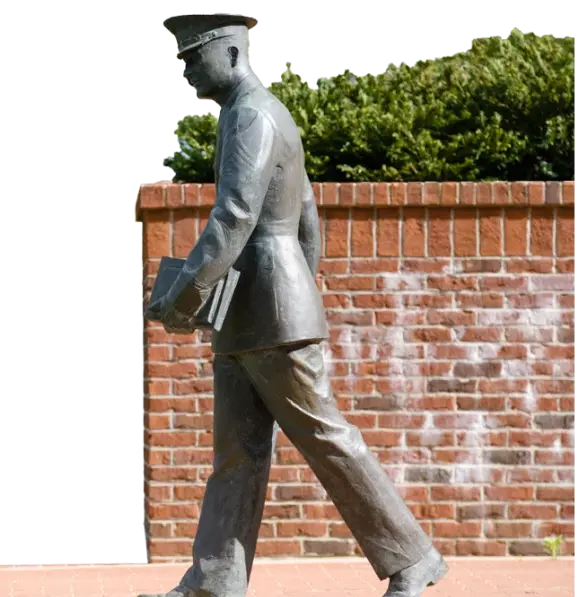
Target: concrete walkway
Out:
[338,577]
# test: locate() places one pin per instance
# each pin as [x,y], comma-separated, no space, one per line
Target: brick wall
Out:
[451,309]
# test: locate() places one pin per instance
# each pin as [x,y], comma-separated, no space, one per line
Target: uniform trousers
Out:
[289,386]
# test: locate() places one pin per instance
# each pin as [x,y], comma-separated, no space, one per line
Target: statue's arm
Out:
[246,166]
[309,228]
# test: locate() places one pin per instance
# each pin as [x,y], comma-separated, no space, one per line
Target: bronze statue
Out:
[269,367]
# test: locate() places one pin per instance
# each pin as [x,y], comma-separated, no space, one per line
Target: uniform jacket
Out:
[264,224]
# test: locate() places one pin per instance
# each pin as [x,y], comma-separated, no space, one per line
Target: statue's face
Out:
[207,69]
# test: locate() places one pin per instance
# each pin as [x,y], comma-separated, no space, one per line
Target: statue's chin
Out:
[204,92]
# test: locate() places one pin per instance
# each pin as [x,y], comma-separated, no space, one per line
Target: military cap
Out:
[194,31]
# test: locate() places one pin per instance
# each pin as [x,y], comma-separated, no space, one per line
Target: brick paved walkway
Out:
[347,577]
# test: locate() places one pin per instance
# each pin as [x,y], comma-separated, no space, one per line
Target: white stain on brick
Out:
[350,344]
[392,281]
[493,317]
[516,369]
[488,351]
[429,435]
[475,439]
[564,368]
[529,399]
[543,317]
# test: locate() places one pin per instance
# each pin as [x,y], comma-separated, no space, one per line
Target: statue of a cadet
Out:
[268,366]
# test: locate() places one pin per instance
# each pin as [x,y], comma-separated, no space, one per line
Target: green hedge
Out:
[504,110]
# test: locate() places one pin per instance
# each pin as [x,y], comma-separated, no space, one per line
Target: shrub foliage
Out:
[504,110]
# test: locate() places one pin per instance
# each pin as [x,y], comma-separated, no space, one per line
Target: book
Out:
[211,314]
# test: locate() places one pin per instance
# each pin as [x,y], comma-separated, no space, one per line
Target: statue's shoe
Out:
[411,581]
[176,592]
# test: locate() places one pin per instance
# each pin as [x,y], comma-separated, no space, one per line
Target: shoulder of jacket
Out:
[246,116]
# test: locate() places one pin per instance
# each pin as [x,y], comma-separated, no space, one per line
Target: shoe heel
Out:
[439,573]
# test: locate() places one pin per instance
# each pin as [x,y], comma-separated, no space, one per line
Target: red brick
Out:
[555,494]
[480,548]
[431,334]
[337,232]
[329,194]
[301,529]
[508,530]
[431,193]
[530,475]
[568,193]
[382,437]
[320,512]
[156,235]
[500,193]
[317,192]
[565,233]
[456,529]
[414,233]
[519,193]
[439,238]
[553,193]
[169,548]
[504,283]
[380,193]
[515,232]
[484,193]
[414,193]
[465,232]
[340,531]
[398,193]
[512,420]
[458,494]
[328,547]
[481,335]
[207,195]
[480,511]
[431,403]
[157,457]
[491,238]
[174,195]
[347,193]
[191,194]
[536,193]
[467,193]
[184,233]
[153,421]
[542,222]
[388,233]
[271,548]
[363,193]
[362,234]
[158,493]
[490,300]
[432,511]
[456,283]
[565,529]
[509,493]
[449,193]
[534,511]
[152,196]
[376,265]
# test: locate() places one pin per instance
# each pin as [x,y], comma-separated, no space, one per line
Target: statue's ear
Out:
[234,53]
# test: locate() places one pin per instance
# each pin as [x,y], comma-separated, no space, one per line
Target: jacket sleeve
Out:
[309,228]
[246,166]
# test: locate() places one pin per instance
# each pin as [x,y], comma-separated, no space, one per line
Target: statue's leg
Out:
[232,508]
[294,385]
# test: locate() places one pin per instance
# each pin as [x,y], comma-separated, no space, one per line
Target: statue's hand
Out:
[174,321]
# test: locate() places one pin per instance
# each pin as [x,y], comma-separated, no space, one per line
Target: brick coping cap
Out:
[168,195]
